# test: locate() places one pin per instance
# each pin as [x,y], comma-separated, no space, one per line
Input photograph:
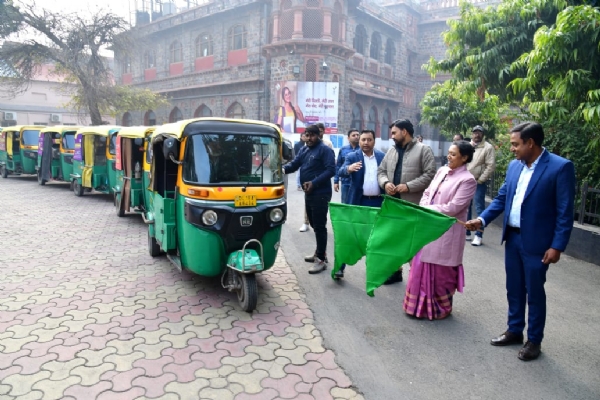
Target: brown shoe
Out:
[507,338]
[530,351]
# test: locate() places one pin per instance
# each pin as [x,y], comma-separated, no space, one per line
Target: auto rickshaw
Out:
[94,159]
[209,207]
[55,154]
[19,149]
[130,161]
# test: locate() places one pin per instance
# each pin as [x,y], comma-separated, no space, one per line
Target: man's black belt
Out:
[513,229]
[372,197]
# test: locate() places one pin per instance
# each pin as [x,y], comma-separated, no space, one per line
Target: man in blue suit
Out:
[537,201]
[361,169]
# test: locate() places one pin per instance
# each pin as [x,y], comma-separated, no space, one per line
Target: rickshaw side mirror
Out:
[171,149]
[287,151]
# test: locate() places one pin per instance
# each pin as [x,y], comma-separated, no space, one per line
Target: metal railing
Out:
[587,200]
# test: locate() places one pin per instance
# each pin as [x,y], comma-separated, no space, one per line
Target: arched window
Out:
[357,117]
[286,22]
[336,17]
[375,46]
[175,52]
[127,120]
[360,40]
[311,70]
[385,127]
[236,111]
[149,59]
[202,111]
[176,115]
[150,118]
[312,20]
[237,37]
[204,47]
[126,66]
[372,123]
[390,51]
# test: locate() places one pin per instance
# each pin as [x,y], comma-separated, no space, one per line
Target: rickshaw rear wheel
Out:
[4,172]
[153,246]
[119,205]
[248,293]
[41,181]
[77,188]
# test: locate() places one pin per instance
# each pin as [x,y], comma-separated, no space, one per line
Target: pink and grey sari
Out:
[430,289]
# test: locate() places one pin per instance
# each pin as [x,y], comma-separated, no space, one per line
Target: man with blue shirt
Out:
[360,168]
[537,200]
[353,137]
[316,162]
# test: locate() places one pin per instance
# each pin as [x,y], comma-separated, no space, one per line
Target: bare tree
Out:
[75,45]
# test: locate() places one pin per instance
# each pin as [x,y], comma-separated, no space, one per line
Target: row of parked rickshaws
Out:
[210,190]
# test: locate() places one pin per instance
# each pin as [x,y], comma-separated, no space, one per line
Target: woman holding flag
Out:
[436,271]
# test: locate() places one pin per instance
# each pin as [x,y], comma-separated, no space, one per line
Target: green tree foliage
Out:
[76,46]
[454,108]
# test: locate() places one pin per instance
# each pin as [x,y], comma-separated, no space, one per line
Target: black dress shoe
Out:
[507,338]
[396,277]
[339,274]
[530,351]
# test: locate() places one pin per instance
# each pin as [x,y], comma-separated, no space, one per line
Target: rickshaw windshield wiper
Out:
[261,164]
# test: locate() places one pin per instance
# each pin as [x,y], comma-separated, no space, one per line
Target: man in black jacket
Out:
[316,162]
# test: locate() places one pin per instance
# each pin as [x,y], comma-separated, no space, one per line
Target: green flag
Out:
[352,227]
[400,230]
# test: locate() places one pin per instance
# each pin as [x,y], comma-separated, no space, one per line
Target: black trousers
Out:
[317,207]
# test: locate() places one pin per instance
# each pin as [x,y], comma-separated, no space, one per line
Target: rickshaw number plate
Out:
[245,200]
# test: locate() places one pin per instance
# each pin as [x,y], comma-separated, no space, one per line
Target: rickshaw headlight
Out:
[209,217]
[276,215]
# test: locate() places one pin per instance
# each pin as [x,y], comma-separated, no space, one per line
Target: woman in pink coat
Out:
[436,271]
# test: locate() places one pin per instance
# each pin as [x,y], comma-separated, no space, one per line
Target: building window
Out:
[126,66]
[127,120]
[202,111]
[312,20]
[286,22]
[335,22]
[385,128]
[372,123]
[311,70]
[357,117]
[237,37]
[360,40]
[390,51]
[149,59]
[236,111]
[176,115]
[150,118]
[375,46]
[176,52]
[204,46]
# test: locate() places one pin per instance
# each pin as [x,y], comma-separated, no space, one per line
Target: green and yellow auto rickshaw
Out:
[215,204]
[131,143]
[19,149]
[94,159]
[55,154]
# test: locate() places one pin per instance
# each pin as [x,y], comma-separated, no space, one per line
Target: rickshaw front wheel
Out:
[41,181]
[248,293]
[4,172]
[153,246]
[77,188]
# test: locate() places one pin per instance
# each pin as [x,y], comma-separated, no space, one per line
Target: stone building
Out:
[226,57]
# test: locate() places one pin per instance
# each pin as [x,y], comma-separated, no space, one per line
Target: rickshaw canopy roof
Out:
[186,127]
[136,132]
[100,130]
[19,128]
[60,128]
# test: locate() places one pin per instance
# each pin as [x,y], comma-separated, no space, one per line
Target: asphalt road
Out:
[391,356]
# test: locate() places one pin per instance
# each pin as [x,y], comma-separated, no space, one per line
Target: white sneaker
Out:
[304,228]
[468,237]
[318,266]
[476,241]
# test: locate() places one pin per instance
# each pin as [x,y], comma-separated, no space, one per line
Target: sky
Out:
[119,7]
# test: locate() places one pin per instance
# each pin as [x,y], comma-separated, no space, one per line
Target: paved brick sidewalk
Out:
[86,313]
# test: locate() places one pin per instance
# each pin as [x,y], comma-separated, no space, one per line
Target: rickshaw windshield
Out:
[232,159]
[31,138]
[69,141]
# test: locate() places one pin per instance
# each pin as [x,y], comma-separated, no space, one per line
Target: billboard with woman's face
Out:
[299,104]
